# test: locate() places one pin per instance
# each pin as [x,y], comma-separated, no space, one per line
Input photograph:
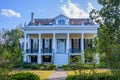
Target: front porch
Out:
[52,48]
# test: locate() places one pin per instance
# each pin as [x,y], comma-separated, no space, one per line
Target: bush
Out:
[39,67]
[26,65]
[67,67]
[88,66]
[48,67]
[18,65]
[35,66]
[23,76]
[75,67]
[97,76]
[52,67]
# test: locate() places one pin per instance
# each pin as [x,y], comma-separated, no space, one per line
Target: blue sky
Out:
[15,12]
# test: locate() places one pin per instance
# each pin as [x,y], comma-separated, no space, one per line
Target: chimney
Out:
[32,16]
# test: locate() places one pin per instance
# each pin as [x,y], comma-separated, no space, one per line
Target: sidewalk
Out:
[58,75]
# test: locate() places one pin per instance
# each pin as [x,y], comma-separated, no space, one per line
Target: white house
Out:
[58,39]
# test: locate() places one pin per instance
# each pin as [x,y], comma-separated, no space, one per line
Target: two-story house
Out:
[56,40]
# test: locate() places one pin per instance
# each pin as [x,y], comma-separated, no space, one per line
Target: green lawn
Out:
[43,74]
[88,71]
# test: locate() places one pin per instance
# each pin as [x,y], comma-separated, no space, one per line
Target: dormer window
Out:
[61,22]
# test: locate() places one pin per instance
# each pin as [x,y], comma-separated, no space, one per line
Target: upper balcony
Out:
[36,51]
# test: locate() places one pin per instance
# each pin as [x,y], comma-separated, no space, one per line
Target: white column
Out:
[82,47]
[39,43]
[54,43]
[68,42]
[39,55]
[25,58]
[82,43]
[28,41]
[39,59]
[25,36]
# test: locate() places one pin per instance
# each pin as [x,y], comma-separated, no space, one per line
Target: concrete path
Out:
[58,75]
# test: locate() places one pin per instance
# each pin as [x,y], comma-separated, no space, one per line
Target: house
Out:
[58,39]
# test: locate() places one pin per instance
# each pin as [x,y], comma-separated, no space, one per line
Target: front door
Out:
[61,46]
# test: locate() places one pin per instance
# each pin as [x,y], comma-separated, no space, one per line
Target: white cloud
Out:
[10,13]
[90,7]
[73,10]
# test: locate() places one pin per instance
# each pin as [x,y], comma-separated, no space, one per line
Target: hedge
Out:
[23,76]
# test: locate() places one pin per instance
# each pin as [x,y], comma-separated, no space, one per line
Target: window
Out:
[61,22]
[76,46]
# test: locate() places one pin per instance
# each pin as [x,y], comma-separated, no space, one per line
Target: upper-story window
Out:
[61,22]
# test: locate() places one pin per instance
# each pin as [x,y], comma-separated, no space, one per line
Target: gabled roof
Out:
[60,16]
[72,21]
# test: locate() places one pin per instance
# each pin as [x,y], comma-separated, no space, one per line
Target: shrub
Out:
[88,66]
[97,76]
[23,76]
[26,65]
[35,66]
[41,67]
[18,65]
[101,65]
[67,67]
[52,67]
[75,66]
[48,67]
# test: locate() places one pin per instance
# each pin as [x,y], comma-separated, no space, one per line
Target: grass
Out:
[43,74]
[87,71]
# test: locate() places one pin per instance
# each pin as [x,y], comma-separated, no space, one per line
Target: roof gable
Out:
[60,15]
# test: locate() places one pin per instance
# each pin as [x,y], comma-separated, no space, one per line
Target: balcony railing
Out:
[46,51]
[74,51]
[31,50]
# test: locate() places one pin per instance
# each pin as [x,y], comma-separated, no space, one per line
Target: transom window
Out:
[61,22]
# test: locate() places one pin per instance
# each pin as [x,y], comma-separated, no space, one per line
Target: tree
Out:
[109,31]
[10,54]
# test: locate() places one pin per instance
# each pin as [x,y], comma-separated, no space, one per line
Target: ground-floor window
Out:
[33,59]
[46,59]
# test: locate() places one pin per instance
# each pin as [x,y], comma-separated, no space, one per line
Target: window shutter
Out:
[79,44]
[72,44]
[84,43]
[43,43]
[50,43]
[31,45]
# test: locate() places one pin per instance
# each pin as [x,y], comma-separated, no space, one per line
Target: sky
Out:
[16,12]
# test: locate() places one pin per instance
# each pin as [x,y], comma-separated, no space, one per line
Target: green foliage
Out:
[102,65]
[90,54]
[23,76]
[35,66]
[10,55]
[84,66]
[48,67]
[26,65]
[52,67]
[97,76]
[67,67]
[39,67]
[109,31]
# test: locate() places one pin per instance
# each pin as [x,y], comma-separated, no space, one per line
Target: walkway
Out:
[59,74]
